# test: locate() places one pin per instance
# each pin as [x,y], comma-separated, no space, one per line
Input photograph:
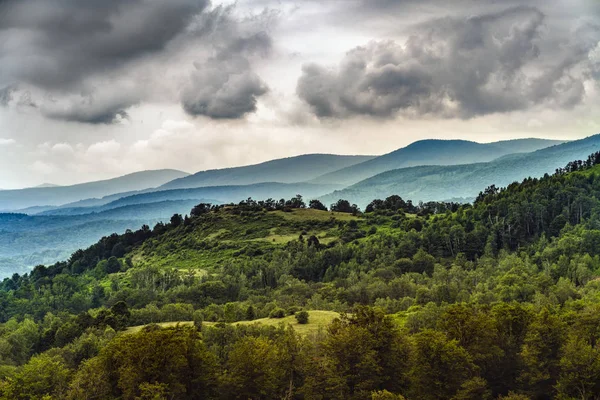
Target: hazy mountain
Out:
[285,170]
[26,240]
[433,152]
[228,194]
[426,183]
[53,196]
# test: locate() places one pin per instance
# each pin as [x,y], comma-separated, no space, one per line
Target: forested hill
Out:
[495,300]
[434,152]
[435,182]
[286,170]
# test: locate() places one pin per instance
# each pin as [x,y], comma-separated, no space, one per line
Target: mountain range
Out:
[433,152]
[431,182]
[285,170]
[55,196]
[61,219]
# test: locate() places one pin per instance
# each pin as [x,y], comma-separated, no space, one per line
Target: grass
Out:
[135,329]
[318,320]
[216,238]
[307,214]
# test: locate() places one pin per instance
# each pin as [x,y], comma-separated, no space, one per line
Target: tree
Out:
[200,209]
[113,265]
[579,370]
[344,206]
[441,367]
[277,313]
[255,370]
[385,395]
[302,317]
[136,364]
[541,353]
[44,376]
[317,205]
[118,250]
[367,353]
[176,220]
[295,202]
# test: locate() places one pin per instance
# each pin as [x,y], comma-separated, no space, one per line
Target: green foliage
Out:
[172,362]
[302,317]
[277,313]
[503,293]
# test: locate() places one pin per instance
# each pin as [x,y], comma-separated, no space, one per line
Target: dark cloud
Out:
[89,61]
[453,67]
[6,95]
[54,44]
[223,89]
[225,86]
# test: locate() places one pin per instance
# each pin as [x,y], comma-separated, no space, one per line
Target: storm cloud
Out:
[454,67]
[225,86]
[89,61]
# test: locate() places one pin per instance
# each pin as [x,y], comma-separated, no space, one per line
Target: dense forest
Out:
[287,299]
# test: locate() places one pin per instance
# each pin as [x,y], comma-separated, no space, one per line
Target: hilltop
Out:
[286,170]
[436,183]
[434,152]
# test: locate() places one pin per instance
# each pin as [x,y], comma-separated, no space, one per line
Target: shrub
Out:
[302,317]
[277,313]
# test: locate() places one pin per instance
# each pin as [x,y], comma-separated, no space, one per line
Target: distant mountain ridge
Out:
[41,239]
[285,170]
[54,196]
[431,182]
[220,194]
[434,152]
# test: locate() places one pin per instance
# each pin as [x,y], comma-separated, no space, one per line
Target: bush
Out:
[293,310]
[277,313]
[302,317]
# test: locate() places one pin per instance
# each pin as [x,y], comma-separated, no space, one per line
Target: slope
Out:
[26,241]
[53,196]
[426,183]
[433,152]
[286,170]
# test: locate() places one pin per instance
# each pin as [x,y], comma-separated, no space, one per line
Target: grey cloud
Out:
[6,95]
[453,67]
[225,86]
[73,57]
[223,89]
[54,44]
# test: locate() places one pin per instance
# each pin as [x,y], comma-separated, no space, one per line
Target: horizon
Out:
[89,90]
[46,185]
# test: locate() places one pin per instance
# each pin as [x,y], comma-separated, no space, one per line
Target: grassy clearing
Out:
[317,321]
[134,329]
[214,239]
[307,214]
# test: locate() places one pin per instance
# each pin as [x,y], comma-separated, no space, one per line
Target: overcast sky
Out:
[92,89]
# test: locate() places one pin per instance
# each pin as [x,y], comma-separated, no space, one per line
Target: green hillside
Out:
[26,241]
[437,183]
[434,152]
[499,299]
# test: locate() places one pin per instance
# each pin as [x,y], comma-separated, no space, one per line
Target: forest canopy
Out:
[271,299]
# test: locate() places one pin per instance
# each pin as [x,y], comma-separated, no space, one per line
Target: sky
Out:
[100,88]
